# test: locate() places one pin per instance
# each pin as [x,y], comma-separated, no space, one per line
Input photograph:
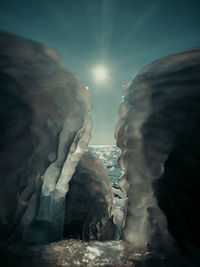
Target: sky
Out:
[121,35]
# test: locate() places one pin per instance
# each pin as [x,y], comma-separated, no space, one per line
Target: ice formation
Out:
[45,129]
[158,134]
[89,202]
[45,172]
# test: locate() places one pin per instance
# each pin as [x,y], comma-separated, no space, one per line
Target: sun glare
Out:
[100,74]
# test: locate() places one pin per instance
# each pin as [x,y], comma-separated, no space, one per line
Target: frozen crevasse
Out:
[158,134]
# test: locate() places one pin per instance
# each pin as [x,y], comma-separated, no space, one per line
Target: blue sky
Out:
[122,35]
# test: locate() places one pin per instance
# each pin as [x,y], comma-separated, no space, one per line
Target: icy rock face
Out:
[89,202]
[45,129]
[158,134]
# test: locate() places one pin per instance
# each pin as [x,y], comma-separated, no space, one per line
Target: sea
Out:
[109,155]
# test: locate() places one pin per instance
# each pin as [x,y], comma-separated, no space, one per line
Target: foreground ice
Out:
[158,134]
[84,254]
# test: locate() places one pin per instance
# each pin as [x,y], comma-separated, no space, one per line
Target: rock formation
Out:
[158,134]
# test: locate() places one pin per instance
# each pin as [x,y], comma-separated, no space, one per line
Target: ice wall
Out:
[45,128]
[158,134]
[89,202]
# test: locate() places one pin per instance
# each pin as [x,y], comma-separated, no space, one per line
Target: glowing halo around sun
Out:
[100,74]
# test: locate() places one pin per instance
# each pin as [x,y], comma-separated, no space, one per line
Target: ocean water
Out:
[109,155]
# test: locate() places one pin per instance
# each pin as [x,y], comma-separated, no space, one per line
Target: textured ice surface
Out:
[53,201]
[159,137]
[89,202]
[45,128]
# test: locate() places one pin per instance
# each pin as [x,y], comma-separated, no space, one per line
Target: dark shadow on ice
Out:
[88,204]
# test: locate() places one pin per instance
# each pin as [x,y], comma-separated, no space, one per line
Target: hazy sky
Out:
[122,35]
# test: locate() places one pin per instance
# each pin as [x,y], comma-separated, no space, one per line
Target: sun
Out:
[100,74]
